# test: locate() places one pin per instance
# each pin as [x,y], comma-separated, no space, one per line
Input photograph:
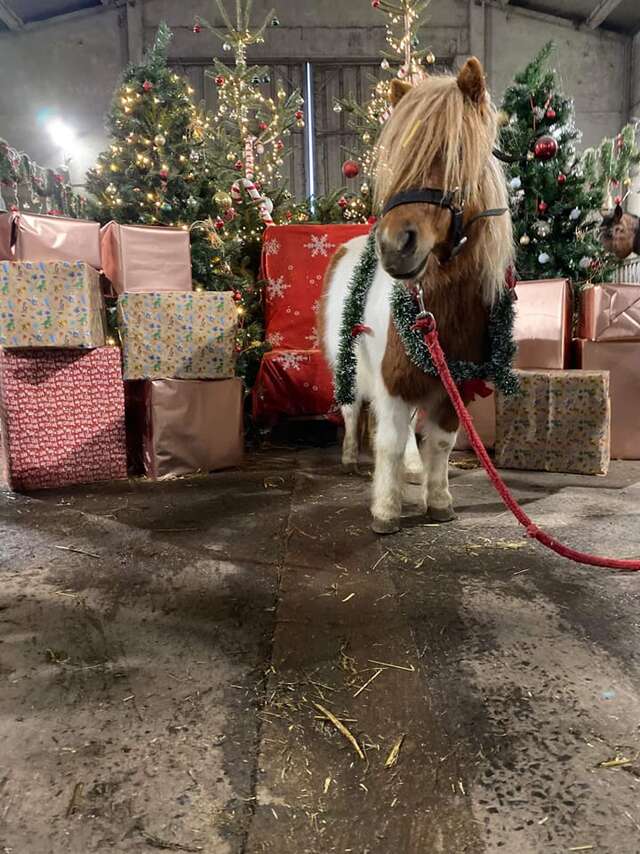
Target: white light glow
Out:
[62,135]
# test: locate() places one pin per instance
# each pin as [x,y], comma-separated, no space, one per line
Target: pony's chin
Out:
[412,274]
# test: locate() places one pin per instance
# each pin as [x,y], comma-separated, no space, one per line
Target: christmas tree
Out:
[611,163]
[555,202]
[403,59]
[155,171]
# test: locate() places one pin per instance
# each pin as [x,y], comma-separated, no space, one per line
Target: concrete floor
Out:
[168,651]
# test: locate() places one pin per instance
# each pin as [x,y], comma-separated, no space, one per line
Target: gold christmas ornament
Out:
[430,58]
[223,200]
[525,240]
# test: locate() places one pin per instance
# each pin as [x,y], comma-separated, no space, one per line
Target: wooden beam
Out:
[9,17]
[601,13]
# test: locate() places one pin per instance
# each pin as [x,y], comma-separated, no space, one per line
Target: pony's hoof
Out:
[442,514]
[350,468]
[385,526]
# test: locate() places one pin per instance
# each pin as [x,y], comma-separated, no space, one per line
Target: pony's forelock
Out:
[435,131]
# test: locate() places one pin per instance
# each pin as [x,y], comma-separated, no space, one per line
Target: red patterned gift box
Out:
[292,383]
[61,417]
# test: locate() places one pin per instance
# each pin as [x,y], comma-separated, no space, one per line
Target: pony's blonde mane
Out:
[436,137]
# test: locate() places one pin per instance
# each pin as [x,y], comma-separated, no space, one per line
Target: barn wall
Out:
[72,66]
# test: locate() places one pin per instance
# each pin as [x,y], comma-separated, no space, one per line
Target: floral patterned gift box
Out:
[50,304]
[178,335]
[559,422]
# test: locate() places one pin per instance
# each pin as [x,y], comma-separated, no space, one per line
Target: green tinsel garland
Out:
[404,311]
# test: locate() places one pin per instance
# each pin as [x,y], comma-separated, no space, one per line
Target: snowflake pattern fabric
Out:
[294,378]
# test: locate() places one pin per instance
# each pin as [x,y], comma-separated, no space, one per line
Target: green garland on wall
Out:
[404,311]
[30,187]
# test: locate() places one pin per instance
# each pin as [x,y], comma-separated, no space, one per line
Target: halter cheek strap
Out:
[443,199]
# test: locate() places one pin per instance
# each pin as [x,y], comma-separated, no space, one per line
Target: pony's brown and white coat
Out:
[440,135]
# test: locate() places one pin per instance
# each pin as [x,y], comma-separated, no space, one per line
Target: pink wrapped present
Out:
[610,313]
[178,427]
[622,360]
[57,238]
[140,258]
[6,226]
[61,417]
[542,326]
[483,412]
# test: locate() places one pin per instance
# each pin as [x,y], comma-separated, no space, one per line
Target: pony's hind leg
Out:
[413,466]
[350,415]
[392,428]
[440,431]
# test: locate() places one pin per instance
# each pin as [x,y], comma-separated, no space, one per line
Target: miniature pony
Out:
[440,135]
[620,233]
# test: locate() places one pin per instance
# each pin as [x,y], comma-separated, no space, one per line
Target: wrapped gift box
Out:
[140,259]
[61,417]
[178,335]
[178,427]
[50,304]
[559,422]
[622,360]
[57,238]
[294,261]
[542,327]
[6,226]
[294,384]
[610,313]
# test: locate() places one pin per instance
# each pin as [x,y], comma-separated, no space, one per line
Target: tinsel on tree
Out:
[612,163]
[246,146]
[26,186]
[555,202]
[402,58]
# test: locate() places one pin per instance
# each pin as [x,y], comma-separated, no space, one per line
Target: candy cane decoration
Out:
[265,205]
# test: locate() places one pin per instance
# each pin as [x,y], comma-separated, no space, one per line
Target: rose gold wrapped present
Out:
[57,238]
[543,324]
[622,360]
[610,313]
[140,258]
[178,427]
[6,225]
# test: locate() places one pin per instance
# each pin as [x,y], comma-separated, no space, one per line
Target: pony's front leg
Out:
[437,444]
[392,420]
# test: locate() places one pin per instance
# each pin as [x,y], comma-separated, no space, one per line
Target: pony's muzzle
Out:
[401,252]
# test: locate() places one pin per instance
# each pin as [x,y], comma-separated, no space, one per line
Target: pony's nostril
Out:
[408,242]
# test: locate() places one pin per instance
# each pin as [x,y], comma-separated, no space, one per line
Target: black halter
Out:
[443,199]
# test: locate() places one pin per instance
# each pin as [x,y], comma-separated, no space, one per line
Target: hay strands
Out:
[342,729]
[394,753]
[616,762]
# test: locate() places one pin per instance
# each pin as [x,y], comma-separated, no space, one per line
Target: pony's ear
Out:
[471,80]
[398,90]
[618,213]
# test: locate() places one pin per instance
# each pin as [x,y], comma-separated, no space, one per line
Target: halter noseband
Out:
[443,199]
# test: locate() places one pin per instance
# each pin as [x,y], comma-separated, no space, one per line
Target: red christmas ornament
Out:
[229,214]
[289,216]
[545,148]
[551,113]
[164,174]
[618,200]
[263,125]
[542,206]
[372,220]
[342,202]
[237,296]
[595,264]
[239,165]
[220,80]
[375,4]
[59,179]
[350,169]
[279,145]
[147,85]
[299,115]
[562,178]
[219,224]
[197,28]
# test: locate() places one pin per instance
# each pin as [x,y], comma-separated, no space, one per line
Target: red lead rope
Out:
[427,326]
